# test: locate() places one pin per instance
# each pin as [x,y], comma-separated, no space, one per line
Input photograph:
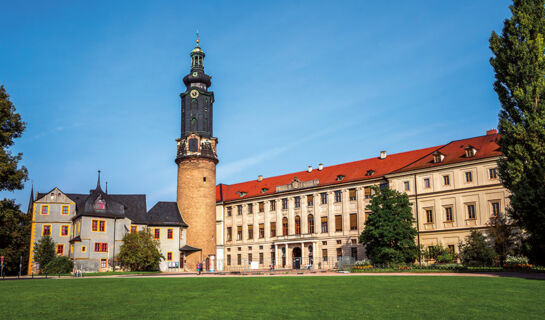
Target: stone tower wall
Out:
[197,202]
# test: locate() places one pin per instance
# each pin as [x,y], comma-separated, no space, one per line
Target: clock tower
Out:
[196,159]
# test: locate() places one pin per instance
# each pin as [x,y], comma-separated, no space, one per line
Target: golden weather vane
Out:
[197,37]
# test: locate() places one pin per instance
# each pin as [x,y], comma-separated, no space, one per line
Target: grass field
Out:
[345,297]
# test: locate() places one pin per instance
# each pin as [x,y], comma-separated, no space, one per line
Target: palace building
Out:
[307,219]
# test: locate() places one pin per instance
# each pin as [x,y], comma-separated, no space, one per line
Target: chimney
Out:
[309,169]
[320,167]
[383,155]
[491,131]
[259,178]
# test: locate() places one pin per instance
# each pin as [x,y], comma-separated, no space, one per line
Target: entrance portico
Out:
[295,254]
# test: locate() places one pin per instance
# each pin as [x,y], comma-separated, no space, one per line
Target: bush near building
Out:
[140,252]
[59,265]
[44,251]
[475,250]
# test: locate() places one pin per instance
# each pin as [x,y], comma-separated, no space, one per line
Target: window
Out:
[60,248]
[310,200]
[353,221]
[323,198]
[339,252]
[261,207]
[495,208]
[407,185]
[338,222]
[239,259]
[470,151]
[229,211]
[427,184]
[352,194]
[46,230]
[229,233]
[228,259]
[324,224]
[297,201]
[324,255]
[83,249]
[261,260]
[310,223]
[354,253]
[65,209]
[261,230]
[469,176]
[103,263]
[493,173]
[101,247]
[429,216]
[102,226]
[134,229]
[64,231]
[471,211]
[156,233]
[448,214]
[169,256]
[239,233]
[273,229]
[100,205]
[297,225]
[284,226]
[45,209]
[367,192]
[273,205]
[94,225]
[338,196]
[250,208]
[340,177]
[446,180]
[450,248]
[285,204]
[239,210]
[169,233]
[250,231]
[250,258]
[370,172]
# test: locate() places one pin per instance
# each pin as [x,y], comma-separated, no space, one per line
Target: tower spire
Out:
[31,201]
[98,181]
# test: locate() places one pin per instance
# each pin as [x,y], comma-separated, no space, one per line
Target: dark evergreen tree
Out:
[14,236]
[44,251]
[519,64]
[475,250]
[389,232]
[140,252]
[11,127]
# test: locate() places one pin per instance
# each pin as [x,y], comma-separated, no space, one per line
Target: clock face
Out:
[195,74]
[194,93]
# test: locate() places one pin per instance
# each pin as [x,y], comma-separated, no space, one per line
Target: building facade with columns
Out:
[310,219]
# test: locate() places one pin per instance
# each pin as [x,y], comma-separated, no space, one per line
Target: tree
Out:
[140,252]
[389,232]
[44,251]
[59,265]
[503,236]
[519,64]
[14,236]
[11,127]
[475,251]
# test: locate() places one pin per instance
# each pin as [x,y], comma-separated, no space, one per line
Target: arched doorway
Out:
[310,255]
[296,258]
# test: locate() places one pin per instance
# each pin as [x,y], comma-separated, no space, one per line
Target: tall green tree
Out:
[14,236]
[140,252]
[389,232]
[11,127]
[519,64]
[476,251]
[44,251]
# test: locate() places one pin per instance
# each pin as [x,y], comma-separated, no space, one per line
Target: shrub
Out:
[440,254]
[140,252]
[475,251]
[512,260]
[60,264]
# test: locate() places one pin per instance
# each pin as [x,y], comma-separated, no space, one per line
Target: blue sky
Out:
[297,83]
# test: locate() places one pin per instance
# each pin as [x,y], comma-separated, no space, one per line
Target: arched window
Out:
[284,226]
[297,225]
[310,220]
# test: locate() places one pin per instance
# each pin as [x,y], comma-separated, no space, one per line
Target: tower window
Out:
[203,179]
[193,143]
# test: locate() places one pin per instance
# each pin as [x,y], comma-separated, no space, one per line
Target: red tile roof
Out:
[357,171]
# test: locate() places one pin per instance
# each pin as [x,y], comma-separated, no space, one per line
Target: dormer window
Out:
[100,205]
[340,177]
[470,151]
[242,193]
[438,157]
[264,190]
[370,172]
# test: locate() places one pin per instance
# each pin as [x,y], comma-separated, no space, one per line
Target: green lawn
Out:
[343,297]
